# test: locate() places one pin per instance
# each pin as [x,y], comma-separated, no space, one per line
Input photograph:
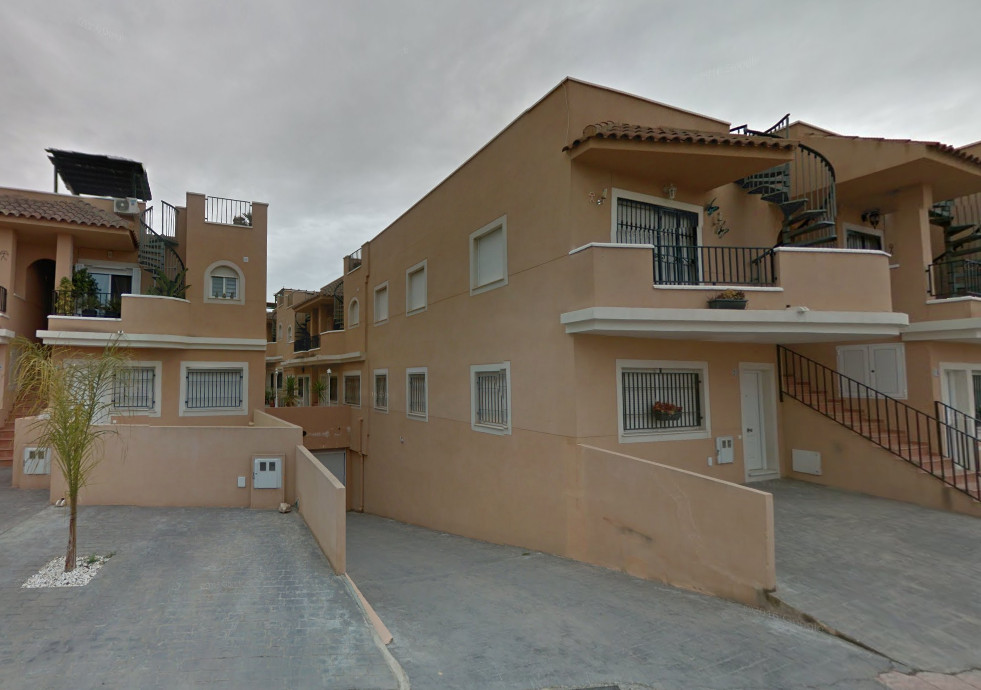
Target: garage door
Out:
[334,461]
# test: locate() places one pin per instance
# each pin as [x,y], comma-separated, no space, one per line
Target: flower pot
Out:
[727,303]
[667,416]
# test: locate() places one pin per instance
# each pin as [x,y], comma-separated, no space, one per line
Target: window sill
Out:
[656,436]
[495,430]
[417,417]
[487,287]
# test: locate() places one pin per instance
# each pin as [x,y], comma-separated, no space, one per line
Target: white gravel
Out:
[53,573]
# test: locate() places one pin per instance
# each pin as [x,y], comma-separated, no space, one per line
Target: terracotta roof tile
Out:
[623,131]
[63,210]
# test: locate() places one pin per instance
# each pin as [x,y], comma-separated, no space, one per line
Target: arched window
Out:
[354,314]
[223,282]
[280,332]
[289,334]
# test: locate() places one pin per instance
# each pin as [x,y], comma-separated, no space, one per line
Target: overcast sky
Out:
[341,115]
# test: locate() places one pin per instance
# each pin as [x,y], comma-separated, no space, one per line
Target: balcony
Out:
[794,294]
[306,342]
[96,305]
[227,211]
[958,278]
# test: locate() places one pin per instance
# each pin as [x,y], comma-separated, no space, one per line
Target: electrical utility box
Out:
[267,473]
[724,453]
[37,461]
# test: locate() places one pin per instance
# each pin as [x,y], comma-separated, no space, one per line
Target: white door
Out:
[881,367]
[303,391]
[755,387]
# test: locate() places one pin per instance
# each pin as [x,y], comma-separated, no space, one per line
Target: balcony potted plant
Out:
[86,293]
[319,389]
[666,412]
[728,299]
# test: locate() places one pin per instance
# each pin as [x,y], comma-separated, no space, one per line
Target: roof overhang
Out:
[324,359]
[308,304]
[952,330]
[798,325]
[89,236]
[698,167]
[950,178]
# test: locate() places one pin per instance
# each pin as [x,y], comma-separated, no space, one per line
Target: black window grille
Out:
[381,391]
[417,394]
[856,239]
[672,232]
[213,389]
[491,398]
[659,399]
[352,390]
[133,389]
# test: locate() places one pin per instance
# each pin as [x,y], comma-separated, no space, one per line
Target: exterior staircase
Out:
[940,445]
[22,408]
[956,272]
[157,251]
[803,190]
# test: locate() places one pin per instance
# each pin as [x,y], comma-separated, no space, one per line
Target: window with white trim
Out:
[662,400]
[134,388]
[866,238]
[214,389]
[224,283]
[416,289]
[381,390]
[417,393]
[489,257]
[354,313]
[352,389]
[490,398]
[381,303]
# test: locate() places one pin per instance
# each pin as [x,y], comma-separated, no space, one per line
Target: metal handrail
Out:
[955,278]
[708,265]
[901,429]
[156,252]
[227,211]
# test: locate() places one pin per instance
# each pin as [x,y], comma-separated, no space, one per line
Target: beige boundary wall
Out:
[323,505]
[663,523]
[853,463]
[179,466]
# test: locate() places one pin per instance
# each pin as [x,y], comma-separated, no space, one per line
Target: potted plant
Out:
[65,298]
[728,299]
[289,396]
[270,397]
[666,412]
[169,287]
[86,293]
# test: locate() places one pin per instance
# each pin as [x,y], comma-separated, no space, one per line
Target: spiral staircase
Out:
[157,253]
[956,272]
[803,189]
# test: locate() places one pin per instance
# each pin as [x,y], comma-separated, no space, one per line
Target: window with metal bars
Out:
[661,400]
[491,398]
[213,389]
[352,389]
[381,390]
[133,388]
[673,233]
[416,393]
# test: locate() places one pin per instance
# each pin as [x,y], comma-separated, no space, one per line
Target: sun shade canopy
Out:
[98,175]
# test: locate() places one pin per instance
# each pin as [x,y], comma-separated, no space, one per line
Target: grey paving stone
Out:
[903,579]
[192,598]
[467,614]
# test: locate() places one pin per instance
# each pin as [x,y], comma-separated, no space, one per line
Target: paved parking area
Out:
[467,614]
[17,505]
[193,598]
[902,579]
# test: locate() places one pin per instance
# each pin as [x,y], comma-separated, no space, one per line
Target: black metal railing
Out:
[213,388]
[962,448]
[133,388]
[338,300]
[157,253]
[933,444]
[657,400]
[957,278]
[168,221]
[227,211]
[701,265]
[3,299]
[103,305]
[305,342]
[354,260]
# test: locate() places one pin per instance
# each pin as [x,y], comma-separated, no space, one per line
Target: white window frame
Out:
[422,417]
[646,436]
[424,267]
[343,391]
[488,428]
[499,224]
[242,409]
[119,268]
[374,312]
[353,313]
[374,390]
[240,285]
[157,387]
[657,201]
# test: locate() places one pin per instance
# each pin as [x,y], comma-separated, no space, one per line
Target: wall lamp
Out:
[671,190]
[872,217]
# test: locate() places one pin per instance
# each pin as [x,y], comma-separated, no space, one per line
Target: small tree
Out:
[76,396]
[290,396]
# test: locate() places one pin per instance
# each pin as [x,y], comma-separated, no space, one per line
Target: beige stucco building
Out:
[181,291]
[528,354]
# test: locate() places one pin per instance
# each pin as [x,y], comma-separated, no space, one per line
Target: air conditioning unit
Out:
[126,207]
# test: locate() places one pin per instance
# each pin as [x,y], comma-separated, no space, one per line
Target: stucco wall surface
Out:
[323,505]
